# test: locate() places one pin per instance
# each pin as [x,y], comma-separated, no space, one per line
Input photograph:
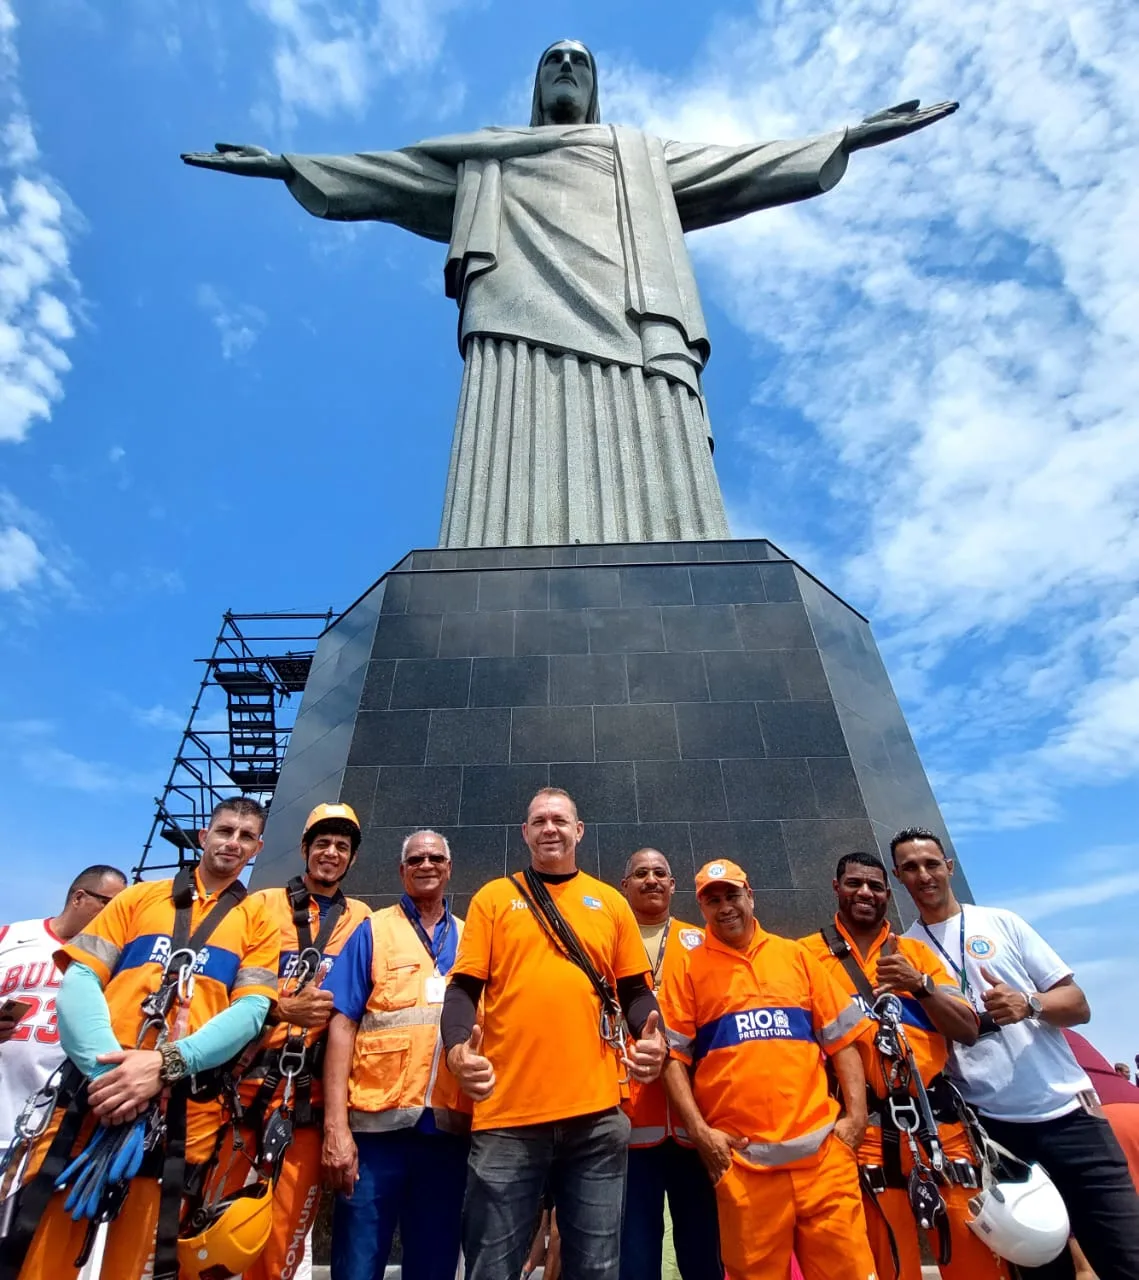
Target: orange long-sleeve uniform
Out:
[756,1025]
[127,945]
[889,1212]
[647,1105]
[297,1194]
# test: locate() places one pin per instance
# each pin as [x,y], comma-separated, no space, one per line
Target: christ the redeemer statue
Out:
[581,416]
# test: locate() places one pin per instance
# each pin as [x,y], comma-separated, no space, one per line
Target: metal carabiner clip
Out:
[308,964]
[904,1115]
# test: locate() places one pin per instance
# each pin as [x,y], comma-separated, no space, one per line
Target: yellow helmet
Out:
[324,812]
[231,1239]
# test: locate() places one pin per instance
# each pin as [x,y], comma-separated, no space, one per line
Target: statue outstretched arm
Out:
[407,187]
[714,184]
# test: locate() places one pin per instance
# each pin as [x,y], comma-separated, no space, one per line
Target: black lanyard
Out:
[660,952]
[959,970]
[432,950]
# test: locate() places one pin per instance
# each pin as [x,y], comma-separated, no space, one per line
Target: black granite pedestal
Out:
[708,699]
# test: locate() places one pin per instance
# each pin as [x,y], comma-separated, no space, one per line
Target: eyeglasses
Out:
[643,873]
[102,897]
[418,859]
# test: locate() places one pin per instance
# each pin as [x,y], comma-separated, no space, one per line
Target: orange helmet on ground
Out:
[228,1239]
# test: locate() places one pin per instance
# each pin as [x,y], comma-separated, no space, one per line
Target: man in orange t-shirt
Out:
[545,1081]
[752,1020]
[934,1012]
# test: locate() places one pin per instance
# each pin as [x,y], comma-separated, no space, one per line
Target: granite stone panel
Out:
[510,682]
[644,732]
[780,581]
[680,791]
[771,789]
[814,847]
[836,788]
[777,625]
[477,635]
[719,730]
[603,792]
[397,593]
[407,635]
[474,735]
[801,729]
[514,589]
[455,592]
[730,584]
[358,788]
[708,551]
[745,677]
[545,734]
[667,677]
[556,631]
[794,913]
[378,685]
[698,628]
[390,737]
[434,682]
[584,588]
[617,841]
[655,584]
[500,792]
[423,797]
[528,557]
[633,630]
[806,678]
[758,847]
[588,679]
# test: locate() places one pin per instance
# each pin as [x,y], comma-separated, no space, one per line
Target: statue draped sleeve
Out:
[406,187]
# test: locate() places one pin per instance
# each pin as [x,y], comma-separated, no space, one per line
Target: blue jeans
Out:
[408,1178]
[678,1172]
[583,1161]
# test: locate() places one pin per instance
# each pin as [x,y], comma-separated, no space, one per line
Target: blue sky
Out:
[922,385]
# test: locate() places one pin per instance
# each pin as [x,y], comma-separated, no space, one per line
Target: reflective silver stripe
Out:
[682,1044]
[954,993]
[99,949]
[424,1015]
[255,977]
[849,1018]
[647,1135]
[772,1154]
[406,1118]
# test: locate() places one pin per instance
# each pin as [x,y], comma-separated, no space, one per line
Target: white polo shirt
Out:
[1026,1071]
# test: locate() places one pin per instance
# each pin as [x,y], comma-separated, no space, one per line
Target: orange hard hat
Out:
[231,1239]
[327,812]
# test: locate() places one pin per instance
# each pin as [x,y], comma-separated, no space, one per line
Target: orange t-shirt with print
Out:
[541,1015]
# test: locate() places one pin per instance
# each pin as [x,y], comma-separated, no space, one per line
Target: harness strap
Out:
[173,1182]
[840,949]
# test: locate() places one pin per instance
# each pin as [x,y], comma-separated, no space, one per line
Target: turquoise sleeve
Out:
[225,1035]
[84,1020]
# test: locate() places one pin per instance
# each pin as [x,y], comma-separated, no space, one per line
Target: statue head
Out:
[565,86]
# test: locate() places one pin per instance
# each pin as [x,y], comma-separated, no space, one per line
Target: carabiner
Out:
[308,962]
[904,1115]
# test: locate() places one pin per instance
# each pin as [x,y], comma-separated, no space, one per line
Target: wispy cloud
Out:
[34,564]
[949,345]
[31,746]
[329,55]
[238,325]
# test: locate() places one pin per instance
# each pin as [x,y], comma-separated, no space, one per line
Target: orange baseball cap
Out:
[720,872]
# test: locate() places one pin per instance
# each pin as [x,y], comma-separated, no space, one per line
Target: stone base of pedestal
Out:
[708,699]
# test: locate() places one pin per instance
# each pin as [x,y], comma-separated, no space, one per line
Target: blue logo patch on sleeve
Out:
[594,904]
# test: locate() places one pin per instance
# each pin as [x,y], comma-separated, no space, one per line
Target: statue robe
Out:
[581,416]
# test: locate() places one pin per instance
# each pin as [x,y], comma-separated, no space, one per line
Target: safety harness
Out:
[910,1110]
[612,1027]
[154,1146]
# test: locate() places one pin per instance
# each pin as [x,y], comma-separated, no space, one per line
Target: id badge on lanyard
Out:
[436,989]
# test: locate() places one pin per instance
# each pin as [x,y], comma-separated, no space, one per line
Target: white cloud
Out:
[32,746]
[951,339]
[33,563]
[159,717]
[329,55]
[238,326]
[20,559]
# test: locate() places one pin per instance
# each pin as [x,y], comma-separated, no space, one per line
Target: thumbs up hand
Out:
[1006,1004]
[894,972]
[646,1056]
[474,1073]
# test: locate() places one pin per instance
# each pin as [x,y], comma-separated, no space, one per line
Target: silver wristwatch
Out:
[1035,1004]
[173,1064]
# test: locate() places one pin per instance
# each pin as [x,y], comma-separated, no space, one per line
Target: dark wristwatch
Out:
[928,987]
[173,1064]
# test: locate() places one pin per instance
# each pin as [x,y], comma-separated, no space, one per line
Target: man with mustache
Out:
[662,1161]
[752,1020]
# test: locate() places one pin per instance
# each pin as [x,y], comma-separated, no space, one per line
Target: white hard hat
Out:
[1018,1212]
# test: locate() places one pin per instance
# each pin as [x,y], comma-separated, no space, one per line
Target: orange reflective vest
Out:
[398,1066]
[647,1105]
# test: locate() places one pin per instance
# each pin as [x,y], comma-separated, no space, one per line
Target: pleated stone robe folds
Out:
[581,416]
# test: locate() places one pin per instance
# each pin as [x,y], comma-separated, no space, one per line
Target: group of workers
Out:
[183,1064]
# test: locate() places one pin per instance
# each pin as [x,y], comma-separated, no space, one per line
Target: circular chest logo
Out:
[980,947]
[690,938]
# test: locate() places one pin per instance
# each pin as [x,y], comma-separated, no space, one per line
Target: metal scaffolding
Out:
[235,739]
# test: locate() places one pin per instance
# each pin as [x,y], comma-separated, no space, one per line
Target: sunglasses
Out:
[102,897]
[418,859]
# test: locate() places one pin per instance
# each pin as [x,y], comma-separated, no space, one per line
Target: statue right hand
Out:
[239,158]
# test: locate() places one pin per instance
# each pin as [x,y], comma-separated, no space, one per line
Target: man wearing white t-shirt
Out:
[1021,1076]
[29,1043]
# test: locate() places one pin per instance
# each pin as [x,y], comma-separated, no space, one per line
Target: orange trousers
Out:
[129,1253]
[970,1258]
[816,1212]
